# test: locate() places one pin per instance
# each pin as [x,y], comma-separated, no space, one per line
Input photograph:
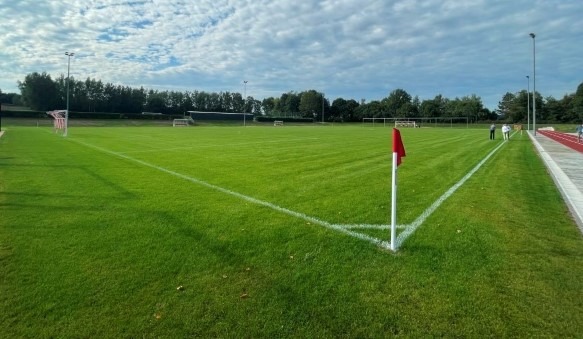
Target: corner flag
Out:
[398,145]
[398,152]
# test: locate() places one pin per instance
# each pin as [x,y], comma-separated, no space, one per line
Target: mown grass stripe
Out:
[411,228]
[299,215]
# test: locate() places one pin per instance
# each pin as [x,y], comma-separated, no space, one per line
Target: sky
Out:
[351,49]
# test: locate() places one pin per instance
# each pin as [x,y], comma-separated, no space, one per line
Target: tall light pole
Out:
[69,55]
[532,35]
[528,103]
[244,101]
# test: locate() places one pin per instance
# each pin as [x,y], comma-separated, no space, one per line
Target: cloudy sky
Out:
[354,49]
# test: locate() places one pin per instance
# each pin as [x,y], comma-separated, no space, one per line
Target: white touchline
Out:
[346,229]
[415,224]
[299,215]
[371,226]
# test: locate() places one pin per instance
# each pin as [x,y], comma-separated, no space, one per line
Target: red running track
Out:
[566,139]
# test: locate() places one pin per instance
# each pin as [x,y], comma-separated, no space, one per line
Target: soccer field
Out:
[262,231]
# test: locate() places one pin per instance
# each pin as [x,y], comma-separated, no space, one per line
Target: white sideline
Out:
[346,229]
[299,215]
[421,219]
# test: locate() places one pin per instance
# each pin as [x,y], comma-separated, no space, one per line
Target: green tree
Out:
[268,106]
[373,109]
[541,115]
[577,105]
[398,104]
[38,91]
[466,106]
[433,108]
[311,104]
[558,110]
[10,98]
[289,103]
[505,106]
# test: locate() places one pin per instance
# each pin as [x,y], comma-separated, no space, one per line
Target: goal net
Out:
[417,122]
[401,123]
[199,116]
[181,122]
[58,120]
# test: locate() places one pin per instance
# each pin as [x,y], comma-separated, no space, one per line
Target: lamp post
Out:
[244,102]
[69,55]
[532,35]
[528,103]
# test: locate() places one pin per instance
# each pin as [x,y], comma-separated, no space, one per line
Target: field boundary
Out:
[570,191]
[342,228]
[411,228]
[256,201]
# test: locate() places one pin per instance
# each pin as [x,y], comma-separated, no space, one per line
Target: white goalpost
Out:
[181,122]
[59,120]
[407,123]
[392,122]
[417,122]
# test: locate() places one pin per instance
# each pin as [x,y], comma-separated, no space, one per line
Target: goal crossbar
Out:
[180,122]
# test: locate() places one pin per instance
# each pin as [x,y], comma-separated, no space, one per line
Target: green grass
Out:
[94,243]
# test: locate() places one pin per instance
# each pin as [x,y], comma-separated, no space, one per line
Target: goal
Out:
[401,123]
[180,122]
[59,123]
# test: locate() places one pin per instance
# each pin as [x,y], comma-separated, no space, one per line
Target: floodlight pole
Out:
[532,35]
[528,103]
[69,55]
[244,102]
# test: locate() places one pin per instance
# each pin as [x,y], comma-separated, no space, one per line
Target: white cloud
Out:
[351,49]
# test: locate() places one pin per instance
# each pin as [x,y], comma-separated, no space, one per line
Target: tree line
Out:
[40,92]
[569,109]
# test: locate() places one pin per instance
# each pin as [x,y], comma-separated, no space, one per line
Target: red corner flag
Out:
[398,145]
[398,152]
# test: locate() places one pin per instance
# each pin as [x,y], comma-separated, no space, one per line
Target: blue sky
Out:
[354,49]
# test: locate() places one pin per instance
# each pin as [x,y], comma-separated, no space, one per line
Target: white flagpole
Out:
[394,204]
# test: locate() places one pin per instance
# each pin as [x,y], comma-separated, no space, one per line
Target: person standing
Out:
[579,130]
[492,131]
[506,132]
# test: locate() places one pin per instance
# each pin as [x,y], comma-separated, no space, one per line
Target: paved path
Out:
[566,167]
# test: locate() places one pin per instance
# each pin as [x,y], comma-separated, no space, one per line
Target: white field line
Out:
[421,219]
[299,215]
[371,226]
[346,229]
